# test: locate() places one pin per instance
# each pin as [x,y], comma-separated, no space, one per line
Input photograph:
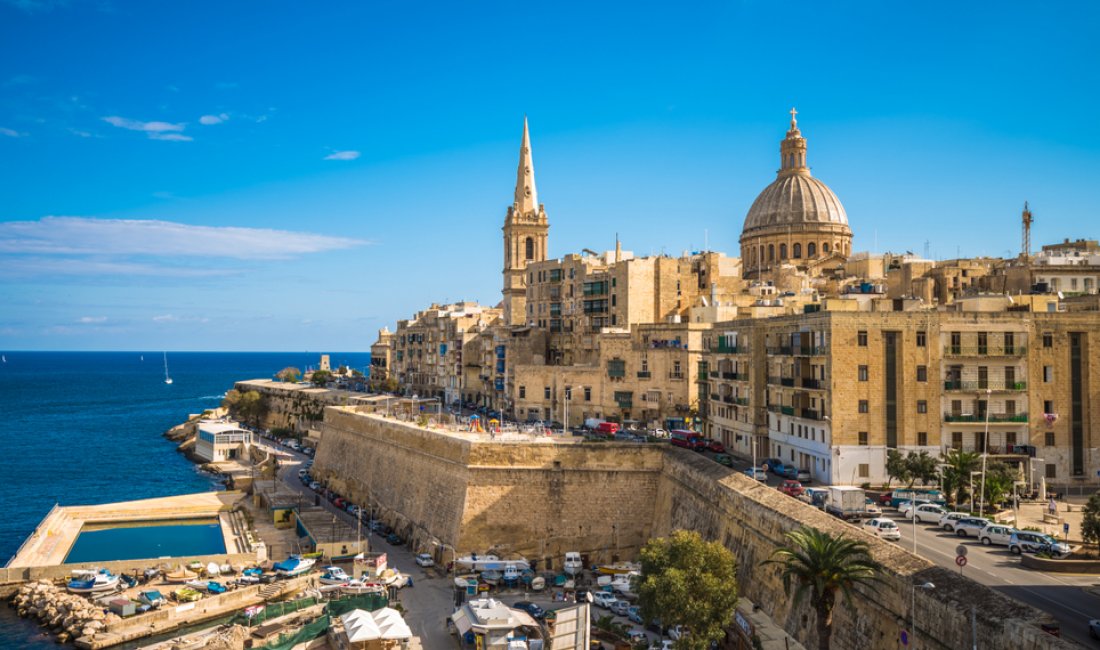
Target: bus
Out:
[922,495]
[688,440]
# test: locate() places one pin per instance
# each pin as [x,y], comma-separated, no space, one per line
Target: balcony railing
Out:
[780,349]
[741,401]
[714,397]
[677,376]
[980,419]
[810,414]
[729,349]
[786,381]
[985,351]
[996,450]
[714,374]
[984,385]
[811,383]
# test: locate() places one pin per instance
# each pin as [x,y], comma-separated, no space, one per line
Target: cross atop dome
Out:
[794,122]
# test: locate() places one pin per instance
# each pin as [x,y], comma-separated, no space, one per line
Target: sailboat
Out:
[167,379]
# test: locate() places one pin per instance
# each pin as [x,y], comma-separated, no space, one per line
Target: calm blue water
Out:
[84,427]
[142,542]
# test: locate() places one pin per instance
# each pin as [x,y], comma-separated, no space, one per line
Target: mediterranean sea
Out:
[85,427]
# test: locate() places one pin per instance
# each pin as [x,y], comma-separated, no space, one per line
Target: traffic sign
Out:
[1065,528]
[960,550]
[904,638]
[961,561]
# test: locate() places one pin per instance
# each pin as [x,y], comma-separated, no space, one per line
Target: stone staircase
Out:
[267,592]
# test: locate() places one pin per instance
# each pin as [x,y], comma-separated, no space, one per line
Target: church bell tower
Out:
[525,235]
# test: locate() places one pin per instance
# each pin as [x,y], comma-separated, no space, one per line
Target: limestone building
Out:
[796,220]
[381,356]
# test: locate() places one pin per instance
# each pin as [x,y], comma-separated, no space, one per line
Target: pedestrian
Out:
[1052,506]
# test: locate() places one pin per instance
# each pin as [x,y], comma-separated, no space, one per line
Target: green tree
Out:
[249,406]
[320,377]
[821,565]
[390,385]
[896,467]
[689,582]
[956,474]
[1090,522]
[922,467]
[290,374]
[999,478]
[355,372]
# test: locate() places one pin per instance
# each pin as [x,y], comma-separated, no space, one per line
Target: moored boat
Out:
[215,587]
[491,577]
[152,598]
[510,575]
[362,586]
[87,581]
[618,567]
[295,565]
[180,575]
[187,595]
[334,575]
[573,563]
[538,583]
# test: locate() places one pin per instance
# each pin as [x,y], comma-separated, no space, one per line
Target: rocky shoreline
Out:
[67,616]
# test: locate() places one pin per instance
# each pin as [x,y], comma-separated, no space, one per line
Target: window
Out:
[863,373]
[1010,439]
[863,438]
[811,249]
[588,393]
[1048,374]
[864,470]
[796,251]
[568,392]
[1052,470]
[782,251]
[922,373]
[771,252]
[1048,406]
[1048,340]
[546,392]
[613,301]
[824,247]
[864,407]
[1049,441]
[530,248]
[922,406]
[922,438]
[861,338]
[523,392]
[922,339]
[957,439]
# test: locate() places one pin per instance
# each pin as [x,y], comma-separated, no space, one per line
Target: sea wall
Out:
[541,499]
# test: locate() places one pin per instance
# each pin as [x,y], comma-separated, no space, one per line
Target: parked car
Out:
[395,539]
[634,613]
[883,528]
[872,508]
[659,433]
[724,459]
[758,473]
[788,471]
[676,632]
[790,488]
[584,596]
[302,472]
[803,476]
[970,526]
[814,496]
[716,446]
[926,512]
[536,612]
[636,636]
[996,534]
[773,465]
[423,559]
[947,521]
[603,599]
[1026,541]
[884,498]
[1094,628]
[619,607]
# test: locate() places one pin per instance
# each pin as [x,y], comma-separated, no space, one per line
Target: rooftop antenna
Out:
[1025,244]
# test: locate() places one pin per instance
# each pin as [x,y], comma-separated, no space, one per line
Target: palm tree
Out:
[956,474]
[823,564]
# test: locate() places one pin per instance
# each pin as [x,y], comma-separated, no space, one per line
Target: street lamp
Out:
[972,489]
[985,450]
[913,631]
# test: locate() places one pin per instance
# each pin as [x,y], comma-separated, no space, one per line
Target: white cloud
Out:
[165,318]
[11,133]
[171,137]
[342,155]
[91,320]
[35,268]
[172,318]
[210,120]
[81,134]
[151,238]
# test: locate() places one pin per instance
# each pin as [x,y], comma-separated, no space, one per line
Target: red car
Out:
[716,447]
[791,488]
[884,499]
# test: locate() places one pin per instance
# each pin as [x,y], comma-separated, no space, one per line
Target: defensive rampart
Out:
[541,498]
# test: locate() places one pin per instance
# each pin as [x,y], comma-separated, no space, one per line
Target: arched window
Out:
[782,251]
[530,248]
[771,252]
[796,251]
[825,247]
[811,250]
[838,248]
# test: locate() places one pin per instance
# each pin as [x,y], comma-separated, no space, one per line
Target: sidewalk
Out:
[1032,515]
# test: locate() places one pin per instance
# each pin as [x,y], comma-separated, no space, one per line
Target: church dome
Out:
[794,200]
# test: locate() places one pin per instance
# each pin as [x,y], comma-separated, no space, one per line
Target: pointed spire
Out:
[527,198]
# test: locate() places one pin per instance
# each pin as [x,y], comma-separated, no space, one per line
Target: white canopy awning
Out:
[360,626]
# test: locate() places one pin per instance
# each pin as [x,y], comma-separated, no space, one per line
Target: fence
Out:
[307,633]
[369,602]
[275,610]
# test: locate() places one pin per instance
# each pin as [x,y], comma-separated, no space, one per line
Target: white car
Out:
[883,529]
[603,599]
[758,473]
[996,534]
[948,520]
[676,632]
[424,559]
[968,526]
[927,513]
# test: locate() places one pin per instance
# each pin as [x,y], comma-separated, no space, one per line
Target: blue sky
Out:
[293,176]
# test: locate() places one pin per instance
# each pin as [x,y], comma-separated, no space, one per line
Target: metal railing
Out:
[980,419]
[984,350]
[971,384]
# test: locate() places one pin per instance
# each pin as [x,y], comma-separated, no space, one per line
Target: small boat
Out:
[149,574]
[510,575]
[389,577]
[187,595]
[475,561]
[363,586]
[152,598]
[128,580]
[180,575]
[87,581]
[573,563]
[195,566]
[560,580]
[226,569]
[491,577]
[295,565]
[213,569]
[527,575]
[603,581]
[334,575]
[215,587]
[618,567]
[538,583]
[196,584]
[167,379]
[254,572]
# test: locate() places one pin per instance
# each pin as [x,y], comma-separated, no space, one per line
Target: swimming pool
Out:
[139,540]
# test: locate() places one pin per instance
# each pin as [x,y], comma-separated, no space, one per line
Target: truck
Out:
[846,502]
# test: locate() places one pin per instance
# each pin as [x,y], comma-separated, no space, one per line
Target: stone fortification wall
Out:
[297,407]
[695,493]
[535,499]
